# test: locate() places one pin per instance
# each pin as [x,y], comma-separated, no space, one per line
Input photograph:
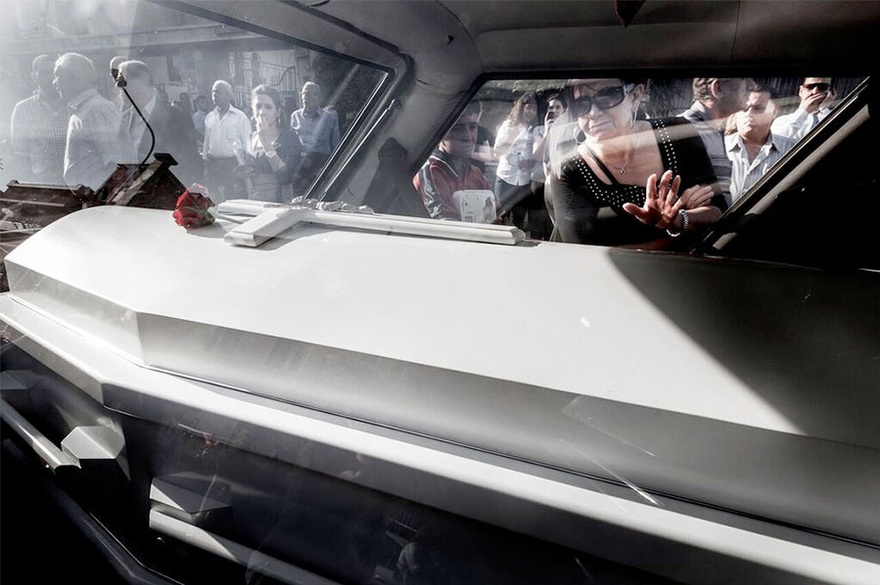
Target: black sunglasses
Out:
[819,86]
[604,99]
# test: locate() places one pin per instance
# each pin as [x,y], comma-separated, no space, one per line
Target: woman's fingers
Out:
[672,194]
[651,190]
[643,214]
[663,187]
[656,194]
[697,196]
[640,213]
[700,199]
[662,203]
[663,195]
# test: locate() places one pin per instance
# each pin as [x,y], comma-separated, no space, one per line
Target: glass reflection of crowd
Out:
[597,169]
[68,133]
[585,164]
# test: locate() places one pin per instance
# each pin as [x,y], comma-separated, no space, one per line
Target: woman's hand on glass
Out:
[662,203]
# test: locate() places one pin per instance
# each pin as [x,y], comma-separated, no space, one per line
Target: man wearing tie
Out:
[816,96]
[174,132]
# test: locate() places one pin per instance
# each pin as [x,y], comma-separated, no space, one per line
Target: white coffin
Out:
[697,378]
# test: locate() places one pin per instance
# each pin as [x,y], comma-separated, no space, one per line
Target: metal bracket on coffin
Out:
[186,500]
[225,548]
[93,452]
[270,219]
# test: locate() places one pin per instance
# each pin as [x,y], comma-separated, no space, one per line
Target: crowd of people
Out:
[593,169]
[68,133]
[597,170]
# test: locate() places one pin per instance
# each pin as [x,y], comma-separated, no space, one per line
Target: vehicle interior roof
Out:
[522,35]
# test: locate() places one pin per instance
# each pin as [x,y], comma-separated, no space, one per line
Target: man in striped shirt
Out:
[753,149]
[39,129]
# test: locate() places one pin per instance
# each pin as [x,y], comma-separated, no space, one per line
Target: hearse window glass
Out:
[786,231]
[571,160]
[242,113]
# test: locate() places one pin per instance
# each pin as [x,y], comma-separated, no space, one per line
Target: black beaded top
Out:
[579,196]
[616,194]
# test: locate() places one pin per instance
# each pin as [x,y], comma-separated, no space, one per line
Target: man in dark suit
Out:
[172,128]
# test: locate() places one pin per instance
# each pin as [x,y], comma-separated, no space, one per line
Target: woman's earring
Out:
[580,137]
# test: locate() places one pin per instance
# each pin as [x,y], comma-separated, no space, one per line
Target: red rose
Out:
[191,210]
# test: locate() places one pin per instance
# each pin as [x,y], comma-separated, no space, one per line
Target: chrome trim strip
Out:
[51,455]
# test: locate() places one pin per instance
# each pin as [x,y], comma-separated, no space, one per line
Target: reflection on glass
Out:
[186,90]
[569,159]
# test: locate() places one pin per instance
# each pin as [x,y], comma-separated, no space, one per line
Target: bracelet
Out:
[685,221]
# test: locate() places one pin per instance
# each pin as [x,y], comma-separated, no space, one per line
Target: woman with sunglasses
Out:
[630,180]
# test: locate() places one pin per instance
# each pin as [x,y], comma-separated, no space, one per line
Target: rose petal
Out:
[191,209]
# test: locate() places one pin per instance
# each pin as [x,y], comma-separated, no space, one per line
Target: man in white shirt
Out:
[226,134]
[94,143]
[816,96]
[714,100]
[753,149]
